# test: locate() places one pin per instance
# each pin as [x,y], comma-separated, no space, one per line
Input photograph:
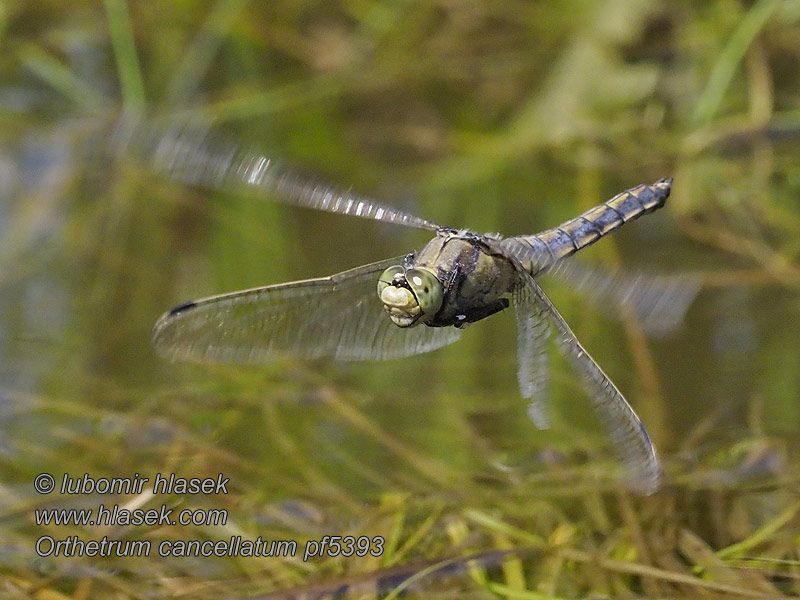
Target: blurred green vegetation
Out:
[504,116]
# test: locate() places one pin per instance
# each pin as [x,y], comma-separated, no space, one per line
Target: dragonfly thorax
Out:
[410,296]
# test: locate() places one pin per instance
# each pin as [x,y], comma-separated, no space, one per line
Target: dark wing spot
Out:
[182,307]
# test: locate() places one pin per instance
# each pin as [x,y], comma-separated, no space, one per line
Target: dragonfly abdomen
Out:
[541,251]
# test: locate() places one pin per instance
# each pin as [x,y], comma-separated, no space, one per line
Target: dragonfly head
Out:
[410,295]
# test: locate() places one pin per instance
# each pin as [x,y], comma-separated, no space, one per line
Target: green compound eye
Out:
[427,289]
[387,277]
[408,296]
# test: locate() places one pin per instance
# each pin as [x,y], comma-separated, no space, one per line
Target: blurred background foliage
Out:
[507,116]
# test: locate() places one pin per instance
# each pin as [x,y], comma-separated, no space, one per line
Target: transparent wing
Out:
[193,153]
[338,316]
[659,301]
[533,333]
[627,431]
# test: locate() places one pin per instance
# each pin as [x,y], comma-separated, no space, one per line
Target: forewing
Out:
[193,153]
[627,431]
[339,317]
[533,333]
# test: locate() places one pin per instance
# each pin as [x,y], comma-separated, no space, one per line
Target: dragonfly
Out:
[401,306]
